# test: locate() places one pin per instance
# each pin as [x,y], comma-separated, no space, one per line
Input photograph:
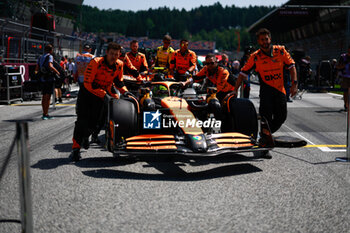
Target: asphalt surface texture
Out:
[298,190]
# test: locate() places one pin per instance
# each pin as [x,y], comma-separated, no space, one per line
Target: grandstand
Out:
[319,28]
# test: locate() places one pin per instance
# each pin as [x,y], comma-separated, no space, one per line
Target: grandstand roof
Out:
[286,18]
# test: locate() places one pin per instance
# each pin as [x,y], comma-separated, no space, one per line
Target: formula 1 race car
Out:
[165,118]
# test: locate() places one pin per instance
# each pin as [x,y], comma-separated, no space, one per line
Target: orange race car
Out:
[165,118]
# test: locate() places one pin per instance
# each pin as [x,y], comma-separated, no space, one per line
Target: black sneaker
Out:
[75,155]
[60,100]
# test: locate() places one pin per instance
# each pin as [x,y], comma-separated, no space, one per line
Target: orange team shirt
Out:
[99,77]
[219,78]
[270,67]
[183,63]
[137,61]
[127,62]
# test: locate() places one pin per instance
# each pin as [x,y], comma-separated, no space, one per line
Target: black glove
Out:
[127,94]
[135,73]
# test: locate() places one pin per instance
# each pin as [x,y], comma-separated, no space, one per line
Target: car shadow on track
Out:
[175,173]
[170,168]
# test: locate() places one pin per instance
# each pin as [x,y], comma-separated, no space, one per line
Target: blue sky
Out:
[187,4]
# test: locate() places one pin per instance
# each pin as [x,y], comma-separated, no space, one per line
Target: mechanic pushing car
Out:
[100,76]
[164,53]
[137,59]
[269,62]
[217,74]
[183,61]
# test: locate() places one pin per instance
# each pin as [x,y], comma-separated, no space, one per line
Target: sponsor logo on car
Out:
[152,120]
[155,120]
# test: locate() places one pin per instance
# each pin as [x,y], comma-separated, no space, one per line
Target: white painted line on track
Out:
[327,149]
[299,135]
[333,94]
[323,149]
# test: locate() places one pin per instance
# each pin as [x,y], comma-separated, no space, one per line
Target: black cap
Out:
[87,46]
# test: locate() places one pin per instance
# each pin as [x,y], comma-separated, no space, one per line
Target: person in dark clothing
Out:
[47,73]
[269,62]
[101,74]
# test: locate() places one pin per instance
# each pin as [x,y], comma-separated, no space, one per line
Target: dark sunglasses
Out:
[210,63]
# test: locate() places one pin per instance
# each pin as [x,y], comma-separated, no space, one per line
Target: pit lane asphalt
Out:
[298,190]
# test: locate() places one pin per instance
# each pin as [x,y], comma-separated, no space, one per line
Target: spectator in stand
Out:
[47,74]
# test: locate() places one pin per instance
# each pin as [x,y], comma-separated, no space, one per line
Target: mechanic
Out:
[183,61]
[164,53]
[344,66]
[81,62]
[217,75]
[137,59]
[47,72]
[101,74]
[268,62]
